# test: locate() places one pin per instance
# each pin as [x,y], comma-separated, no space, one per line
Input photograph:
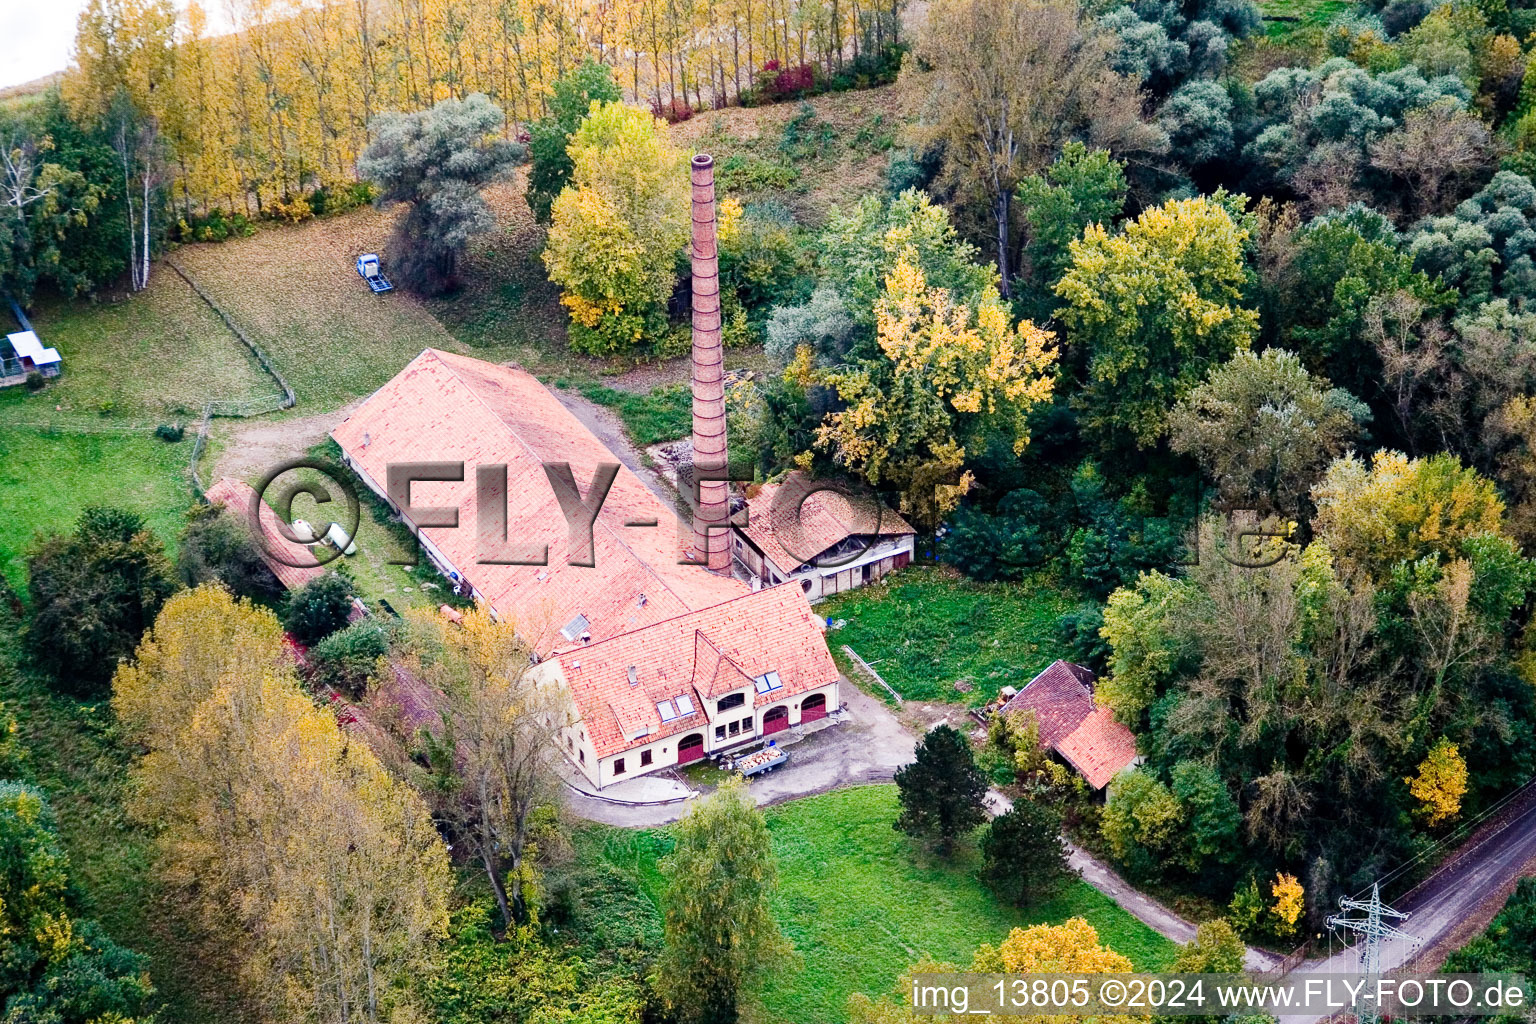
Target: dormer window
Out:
[768,682]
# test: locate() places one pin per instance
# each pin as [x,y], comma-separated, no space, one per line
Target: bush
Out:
[93,595]
[329,200]
[217,547]
[57,966]
[35,381]
[318,608]
[293,210]
[215,227]
[738,173]
[673,111]
[170,432]
[345,659]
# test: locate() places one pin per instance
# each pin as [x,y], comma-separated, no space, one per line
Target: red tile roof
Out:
[709,651]
[449,408]
[237,497]
[1084,733]
[793,522]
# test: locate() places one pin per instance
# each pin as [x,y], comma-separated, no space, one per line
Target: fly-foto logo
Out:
[799,513]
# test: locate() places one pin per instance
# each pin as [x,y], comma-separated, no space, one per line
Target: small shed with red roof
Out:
[1079,731]
[291,562]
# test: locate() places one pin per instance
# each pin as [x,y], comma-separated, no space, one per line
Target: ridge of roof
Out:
[531,427]
[534,452]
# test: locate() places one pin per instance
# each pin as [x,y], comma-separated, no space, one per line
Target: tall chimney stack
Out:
[711,544]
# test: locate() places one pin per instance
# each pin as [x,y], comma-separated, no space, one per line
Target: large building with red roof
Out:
[654,651]
[706,681]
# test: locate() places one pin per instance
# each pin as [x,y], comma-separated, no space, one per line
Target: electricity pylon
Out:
[1372,928]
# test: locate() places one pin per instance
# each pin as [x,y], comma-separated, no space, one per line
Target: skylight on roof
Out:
[665,710]
[576,627]
[768,681]
[684,705]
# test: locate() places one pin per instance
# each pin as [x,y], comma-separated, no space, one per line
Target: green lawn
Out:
[665,413]
[47,478]
[296,292]
[923,629]
[1285,17]
[860,904]
[158,355]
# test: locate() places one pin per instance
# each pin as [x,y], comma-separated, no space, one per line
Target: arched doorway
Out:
[776,719]
[690,748]
[815,707]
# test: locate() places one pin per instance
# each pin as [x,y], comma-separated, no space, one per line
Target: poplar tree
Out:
[720,931]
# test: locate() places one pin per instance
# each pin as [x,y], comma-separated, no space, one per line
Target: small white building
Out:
[26,355]
[818,538]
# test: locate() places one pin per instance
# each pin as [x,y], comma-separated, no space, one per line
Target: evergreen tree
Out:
[1023,855]
[942,790]
[318,608]
[94,593]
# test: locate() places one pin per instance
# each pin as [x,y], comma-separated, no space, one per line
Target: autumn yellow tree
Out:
[1400,509]
[617,229]
[496,766]
[273,113]
[1289,902]
[1156,307]
[276,825]
[1071,947]
[950,376]
[1440,783]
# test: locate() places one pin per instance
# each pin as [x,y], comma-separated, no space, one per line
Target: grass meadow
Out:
[926,628]
[859,903]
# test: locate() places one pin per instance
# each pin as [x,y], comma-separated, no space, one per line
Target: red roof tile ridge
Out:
[722,658]
[609,530]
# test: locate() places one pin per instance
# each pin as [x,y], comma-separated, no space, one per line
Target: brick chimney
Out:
[711,543]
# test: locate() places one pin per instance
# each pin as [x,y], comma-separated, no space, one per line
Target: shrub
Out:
[35,381]
[345,659]
[318,608]
[294,210]
[217,547]
[739,173]
[673,111]
[94,593]
[170,432]
[216,226]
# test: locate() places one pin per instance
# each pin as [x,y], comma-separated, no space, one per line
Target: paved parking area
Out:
[867,746]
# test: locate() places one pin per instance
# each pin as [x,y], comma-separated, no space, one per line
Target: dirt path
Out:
[249,448]
[605,423]
[1134,902]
